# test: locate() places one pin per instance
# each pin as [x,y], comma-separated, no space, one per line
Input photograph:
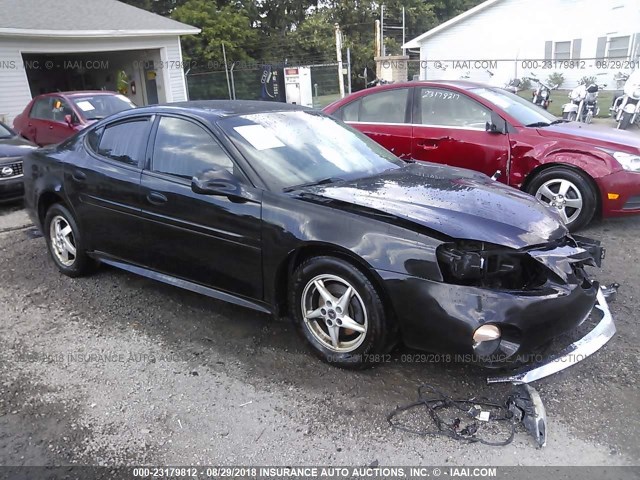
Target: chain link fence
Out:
[249,84]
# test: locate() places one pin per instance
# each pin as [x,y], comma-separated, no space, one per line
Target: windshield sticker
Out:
[259,137]
[85,106]
[440,94]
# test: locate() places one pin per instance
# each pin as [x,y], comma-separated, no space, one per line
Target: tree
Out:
[229,24]
[161,7]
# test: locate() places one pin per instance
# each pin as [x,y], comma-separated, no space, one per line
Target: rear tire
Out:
[327,296]
[569,116]
[569,192]
[65,243]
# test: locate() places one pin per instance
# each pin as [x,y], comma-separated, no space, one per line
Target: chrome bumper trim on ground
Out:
[571,354]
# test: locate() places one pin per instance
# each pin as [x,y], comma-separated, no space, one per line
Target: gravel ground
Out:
[178,379]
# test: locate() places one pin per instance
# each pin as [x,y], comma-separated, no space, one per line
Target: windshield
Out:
[95,107]
[522,110]
[304,147]
[5,132]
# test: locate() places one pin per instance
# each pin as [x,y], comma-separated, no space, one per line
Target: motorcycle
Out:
[584,103]
[626,107]
[542,93]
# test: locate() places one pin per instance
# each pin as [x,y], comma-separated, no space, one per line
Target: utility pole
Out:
[226,70]
[349,69]
[404,50]
[382,49]
[377,35]
[339,58]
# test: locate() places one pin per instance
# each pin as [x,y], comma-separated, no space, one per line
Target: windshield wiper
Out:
[323,181]
[545,124]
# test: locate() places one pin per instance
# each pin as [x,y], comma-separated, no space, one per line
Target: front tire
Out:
[339,313]
[64,241]
[569,116]
[569,192]
[625,121]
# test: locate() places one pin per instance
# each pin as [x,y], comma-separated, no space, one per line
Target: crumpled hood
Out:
[15,147]
[583,132]
[459,203]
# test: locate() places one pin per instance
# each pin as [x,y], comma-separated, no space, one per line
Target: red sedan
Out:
[53,117]
[576,168]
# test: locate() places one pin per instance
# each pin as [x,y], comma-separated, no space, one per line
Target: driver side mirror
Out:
[496,125]
[218,182]
[69,119]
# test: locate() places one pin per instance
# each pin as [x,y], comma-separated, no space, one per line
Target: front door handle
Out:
[156,198]
[430,143]
[79,176]
[426,146]
[50,127]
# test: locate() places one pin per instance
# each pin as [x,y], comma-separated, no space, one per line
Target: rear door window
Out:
[42,109]
[389,106]
[125,142]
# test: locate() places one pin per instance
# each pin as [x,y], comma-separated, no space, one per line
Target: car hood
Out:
[458,203]
[15,147]
[589,133]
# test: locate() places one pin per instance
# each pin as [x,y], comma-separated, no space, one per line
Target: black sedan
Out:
[12,149]
[290,212]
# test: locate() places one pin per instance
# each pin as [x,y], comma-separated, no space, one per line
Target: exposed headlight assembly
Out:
[487,265]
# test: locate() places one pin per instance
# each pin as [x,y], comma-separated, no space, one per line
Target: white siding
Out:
[176,75]
[515,30]
[14,87]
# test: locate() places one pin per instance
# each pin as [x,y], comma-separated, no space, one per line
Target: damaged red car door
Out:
[386,118]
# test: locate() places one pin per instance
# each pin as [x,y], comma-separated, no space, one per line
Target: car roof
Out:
[462,84]
[216,109]
[78,93]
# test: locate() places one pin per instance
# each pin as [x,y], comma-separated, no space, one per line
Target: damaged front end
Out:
[550,292]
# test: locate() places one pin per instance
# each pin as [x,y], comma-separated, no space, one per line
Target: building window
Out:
[562,51]
[619,47]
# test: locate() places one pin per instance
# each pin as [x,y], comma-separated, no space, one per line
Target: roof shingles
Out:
[84,16]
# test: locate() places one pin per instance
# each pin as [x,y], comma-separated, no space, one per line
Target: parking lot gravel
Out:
[114,369]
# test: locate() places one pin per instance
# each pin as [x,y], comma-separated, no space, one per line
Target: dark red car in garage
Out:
[579,169]
[53,117]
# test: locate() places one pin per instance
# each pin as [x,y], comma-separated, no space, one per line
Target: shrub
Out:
[556,78]
[525,83]
[587,80]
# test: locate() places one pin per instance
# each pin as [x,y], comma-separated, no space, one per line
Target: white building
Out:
[514,38]
[48,46]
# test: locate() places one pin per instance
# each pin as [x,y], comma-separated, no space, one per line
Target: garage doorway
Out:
[131,72]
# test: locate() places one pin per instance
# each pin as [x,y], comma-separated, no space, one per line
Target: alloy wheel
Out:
[334,313]
[562,195]
[63,243]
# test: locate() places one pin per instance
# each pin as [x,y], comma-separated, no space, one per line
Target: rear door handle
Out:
[50,127]
[79,176]
[156,198]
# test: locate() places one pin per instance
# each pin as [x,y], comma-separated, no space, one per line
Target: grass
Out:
[322,101]
[560,97]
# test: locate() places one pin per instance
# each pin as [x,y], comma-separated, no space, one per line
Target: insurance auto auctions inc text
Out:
[376,472]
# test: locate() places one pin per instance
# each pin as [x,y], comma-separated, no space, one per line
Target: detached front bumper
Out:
[570,355]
